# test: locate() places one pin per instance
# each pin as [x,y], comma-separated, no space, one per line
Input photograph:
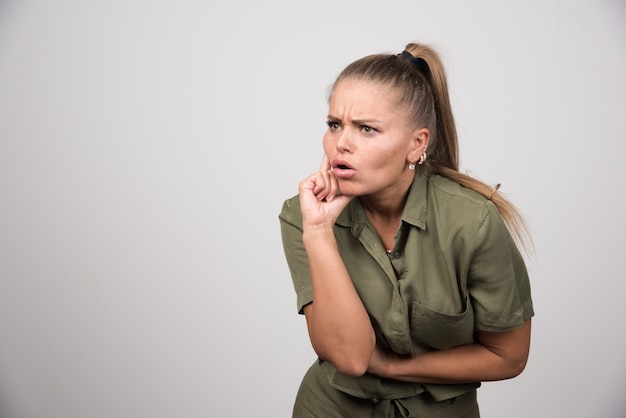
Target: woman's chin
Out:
[349,189]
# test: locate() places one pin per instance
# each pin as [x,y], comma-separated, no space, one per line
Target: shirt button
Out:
[396,254]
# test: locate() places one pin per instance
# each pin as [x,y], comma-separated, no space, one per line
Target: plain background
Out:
[146,148]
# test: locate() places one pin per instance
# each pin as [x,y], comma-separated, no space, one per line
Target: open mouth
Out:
[343,170]
[341,165]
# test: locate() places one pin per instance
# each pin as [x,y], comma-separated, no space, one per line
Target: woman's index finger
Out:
[325,164]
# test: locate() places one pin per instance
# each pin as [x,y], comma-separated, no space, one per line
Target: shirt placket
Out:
[398,332]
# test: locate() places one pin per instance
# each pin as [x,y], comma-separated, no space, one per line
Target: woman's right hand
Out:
[321,201]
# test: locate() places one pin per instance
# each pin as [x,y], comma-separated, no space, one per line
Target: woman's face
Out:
[370,141]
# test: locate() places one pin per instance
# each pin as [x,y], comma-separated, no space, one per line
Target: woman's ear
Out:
[419,143]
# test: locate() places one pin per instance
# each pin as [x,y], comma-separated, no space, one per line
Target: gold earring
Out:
[422,158]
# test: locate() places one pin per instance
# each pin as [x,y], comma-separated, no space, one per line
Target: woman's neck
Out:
[383,211]
[387,205]
[385,217]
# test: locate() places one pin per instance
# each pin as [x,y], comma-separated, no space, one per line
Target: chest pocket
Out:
[432,329]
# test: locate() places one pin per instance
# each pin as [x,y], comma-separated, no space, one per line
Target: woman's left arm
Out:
[495,356]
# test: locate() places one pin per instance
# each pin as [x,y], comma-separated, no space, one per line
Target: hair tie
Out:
[493,192]
[419,63]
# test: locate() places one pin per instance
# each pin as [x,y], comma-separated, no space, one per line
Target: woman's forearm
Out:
[496,356]
[339,326]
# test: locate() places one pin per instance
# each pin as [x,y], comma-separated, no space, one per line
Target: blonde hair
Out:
[421,80]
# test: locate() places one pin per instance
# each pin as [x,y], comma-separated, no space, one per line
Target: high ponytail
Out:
[444,151]
[444,155]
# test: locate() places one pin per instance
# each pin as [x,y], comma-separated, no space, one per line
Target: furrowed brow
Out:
[365,121]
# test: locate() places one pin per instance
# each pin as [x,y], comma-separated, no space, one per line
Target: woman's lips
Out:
[342,169]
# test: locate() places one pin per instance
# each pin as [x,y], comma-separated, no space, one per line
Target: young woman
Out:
[412,284]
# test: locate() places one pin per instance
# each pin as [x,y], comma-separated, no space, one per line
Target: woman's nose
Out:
[344,142]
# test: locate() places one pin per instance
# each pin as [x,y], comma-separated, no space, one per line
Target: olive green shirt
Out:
[455,269]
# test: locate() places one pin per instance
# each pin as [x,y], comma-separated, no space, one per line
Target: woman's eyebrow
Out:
[365,121]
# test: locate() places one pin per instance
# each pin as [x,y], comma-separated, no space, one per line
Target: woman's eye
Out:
[333,126]
[368,129]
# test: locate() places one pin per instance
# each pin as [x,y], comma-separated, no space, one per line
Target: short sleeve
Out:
[291,231]
[498,281]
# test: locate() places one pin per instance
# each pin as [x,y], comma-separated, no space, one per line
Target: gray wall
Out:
[146,148]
